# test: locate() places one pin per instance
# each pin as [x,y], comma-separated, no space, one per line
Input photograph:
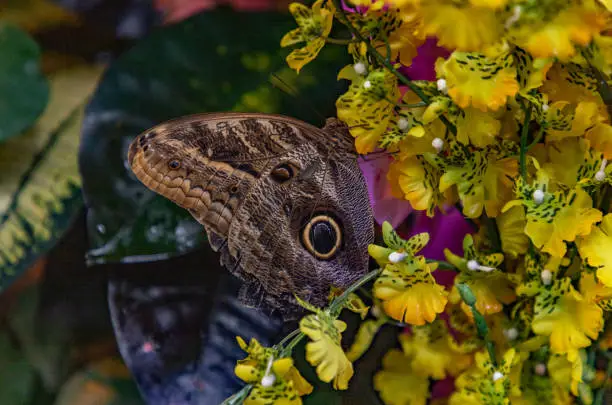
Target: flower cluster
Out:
[515,132]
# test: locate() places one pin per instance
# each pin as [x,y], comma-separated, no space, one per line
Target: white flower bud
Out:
[545,107]
[474,265]
[396,257]
[497,375]
[438,144]
[538,196]
[601,174]
[546,276]
[367,84]
[511,334]
[540,369]
[360,68]
[402,124]
[268,380]
[441,83]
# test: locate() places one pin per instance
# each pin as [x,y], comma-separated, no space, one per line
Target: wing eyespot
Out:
[322,237]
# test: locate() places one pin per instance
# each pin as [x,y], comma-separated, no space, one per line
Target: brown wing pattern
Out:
[283,202]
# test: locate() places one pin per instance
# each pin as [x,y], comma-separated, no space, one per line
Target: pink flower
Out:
[177,10]
[423,65]
[385,206]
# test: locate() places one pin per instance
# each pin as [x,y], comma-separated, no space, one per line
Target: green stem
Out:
[524,134]
[338,41]
[481,325]
[289,348]
[336,305]
[537,138]
[443,265]
[239,397]
[388,64]
[287,338]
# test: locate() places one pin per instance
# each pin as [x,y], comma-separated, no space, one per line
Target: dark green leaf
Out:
[17,375]
[40,183]
[216,61]
[24,91]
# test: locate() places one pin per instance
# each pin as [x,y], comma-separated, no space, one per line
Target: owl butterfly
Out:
[284,202]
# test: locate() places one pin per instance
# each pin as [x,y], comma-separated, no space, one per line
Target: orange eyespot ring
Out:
[322,237]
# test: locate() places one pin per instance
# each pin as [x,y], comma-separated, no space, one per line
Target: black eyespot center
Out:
[322,236]
[233,189]
[174,164]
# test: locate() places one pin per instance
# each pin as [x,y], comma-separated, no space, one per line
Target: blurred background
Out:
[110,294]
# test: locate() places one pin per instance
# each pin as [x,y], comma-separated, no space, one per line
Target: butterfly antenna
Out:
[285,87]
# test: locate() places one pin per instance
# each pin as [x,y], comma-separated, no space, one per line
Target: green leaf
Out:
[24,89]
[40,183]
[17,375]
[202,64]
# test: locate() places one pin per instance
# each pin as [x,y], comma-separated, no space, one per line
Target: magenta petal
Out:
[384,205]
[445,231]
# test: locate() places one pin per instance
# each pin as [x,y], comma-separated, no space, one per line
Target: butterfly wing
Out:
[283,202]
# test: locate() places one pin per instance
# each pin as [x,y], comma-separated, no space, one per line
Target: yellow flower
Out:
[433,352]
[403,37]
[477,127]
[314,26]
[367,105]
[554,218]
[571,82]
[564,120]
[491,287]
[562,313]
[545,30]
[483,81]
[271,377]
[364,338]
[511,225]
[482,178]
[571,161]
[397,382]
[406,287]
[324,351]
[537,388]
[595,291]
[418,181]
[460,25]
[396,245]
[596,248]
[483,384]
[565,374]
[410,295]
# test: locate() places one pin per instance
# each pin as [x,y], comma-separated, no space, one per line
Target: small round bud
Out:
[396,257]
[497,375]
[268,380]
[473,265]
[441,83]
[546,276]
[438,144]
[540,369]
[511,334]
[545,107]
[402,124]
[538,196]
[367,84]
[360,68]
[600,175]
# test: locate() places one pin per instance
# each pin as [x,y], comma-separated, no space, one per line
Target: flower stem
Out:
[387,64]
[481,324]
[523,150]
[338,41]
[239,397]
[336,305]
[537,138]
